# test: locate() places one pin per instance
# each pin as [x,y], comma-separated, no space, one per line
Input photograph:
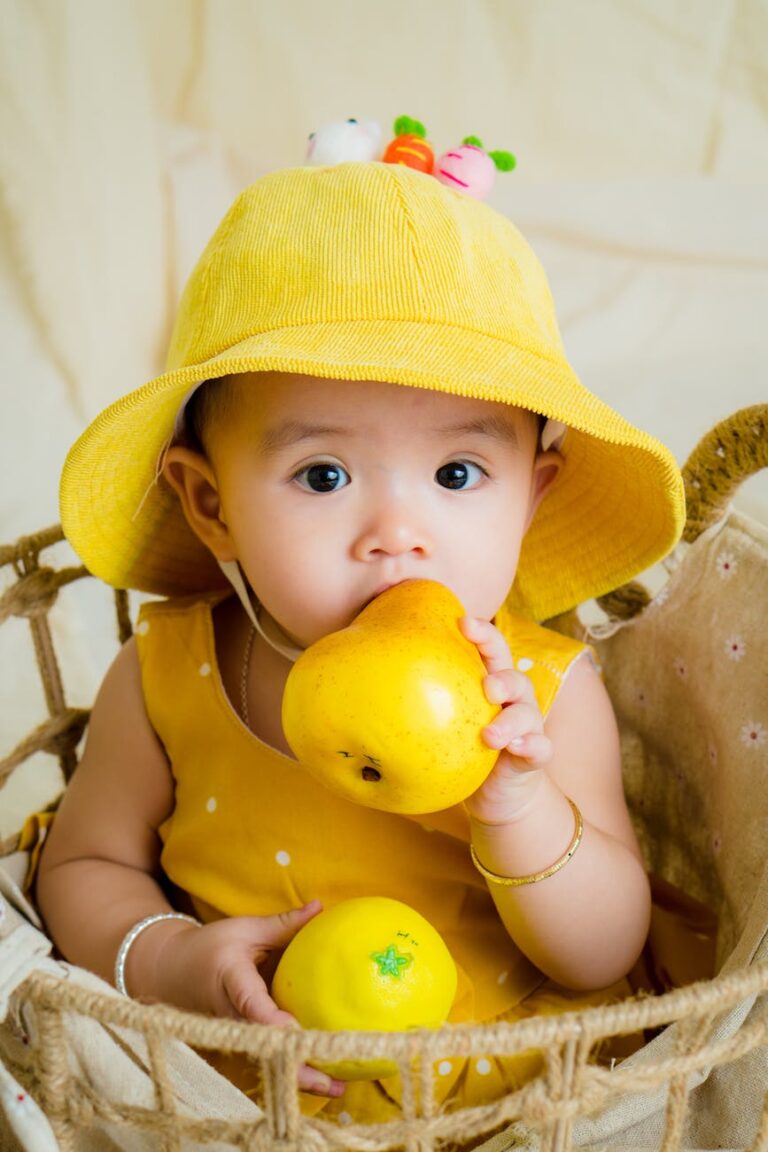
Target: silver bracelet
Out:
[131,937]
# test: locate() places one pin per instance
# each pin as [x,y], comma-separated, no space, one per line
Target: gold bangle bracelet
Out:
[519,881]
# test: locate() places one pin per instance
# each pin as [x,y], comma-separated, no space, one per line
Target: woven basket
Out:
[111,1073]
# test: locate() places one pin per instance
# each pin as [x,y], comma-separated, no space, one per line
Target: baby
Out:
[366,385]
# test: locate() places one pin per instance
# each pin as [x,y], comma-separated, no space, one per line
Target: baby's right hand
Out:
[213,969]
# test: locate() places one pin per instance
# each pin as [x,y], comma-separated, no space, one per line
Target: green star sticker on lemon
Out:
[391,961]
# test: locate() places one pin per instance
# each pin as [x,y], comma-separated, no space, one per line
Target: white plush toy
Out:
[345,140]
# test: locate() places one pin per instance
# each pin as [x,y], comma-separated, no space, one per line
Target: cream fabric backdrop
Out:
[127,126]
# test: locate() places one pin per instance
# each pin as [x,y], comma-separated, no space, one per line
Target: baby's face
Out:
[333,491]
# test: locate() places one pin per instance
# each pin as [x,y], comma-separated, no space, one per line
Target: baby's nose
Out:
[395,528]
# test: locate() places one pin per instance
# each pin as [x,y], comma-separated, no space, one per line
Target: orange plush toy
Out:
[410,146]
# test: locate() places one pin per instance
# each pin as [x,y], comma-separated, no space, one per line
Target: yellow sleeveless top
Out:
[252,833]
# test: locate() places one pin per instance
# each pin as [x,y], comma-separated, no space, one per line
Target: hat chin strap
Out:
[552,435]
[231,570]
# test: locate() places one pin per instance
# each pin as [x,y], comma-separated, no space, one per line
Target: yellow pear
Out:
[388,711]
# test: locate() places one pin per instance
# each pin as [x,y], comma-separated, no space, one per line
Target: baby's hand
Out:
[517,731]
[213,969]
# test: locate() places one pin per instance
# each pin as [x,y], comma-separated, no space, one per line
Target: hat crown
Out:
[370,271]
[361,242]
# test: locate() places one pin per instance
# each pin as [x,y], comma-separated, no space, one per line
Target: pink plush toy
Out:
[471,169]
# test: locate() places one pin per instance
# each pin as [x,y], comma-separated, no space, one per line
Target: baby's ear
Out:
[546,468]
[194,482]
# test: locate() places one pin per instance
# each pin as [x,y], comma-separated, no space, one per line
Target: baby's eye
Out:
[459,474]
[322,478]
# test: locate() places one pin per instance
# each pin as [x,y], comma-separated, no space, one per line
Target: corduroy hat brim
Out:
[615,508]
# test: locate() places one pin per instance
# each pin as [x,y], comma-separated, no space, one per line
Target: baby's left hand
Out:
[517,731]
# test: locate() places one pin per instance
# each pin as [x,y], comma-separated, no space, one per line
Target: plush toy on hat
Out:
[410,146]
[468,168]
[471,169]
[345,140]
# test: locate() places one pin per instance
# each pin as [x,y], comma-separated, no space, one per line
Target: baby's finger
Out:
[535,749]
[247,997]
[319,1083]
[513,723]
[278,930]
[509,687]
[490,643]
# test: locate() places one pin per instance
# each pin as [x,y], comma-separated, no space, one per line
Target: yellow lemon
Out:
[370,964]
[388,711]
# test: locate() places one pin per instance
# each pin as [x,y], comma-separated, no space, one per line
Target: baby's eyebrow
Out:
[291,432]
[492,425]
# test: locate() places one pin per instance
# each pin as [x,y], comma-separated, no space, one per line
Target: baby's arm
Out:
[99,877]
[585,925]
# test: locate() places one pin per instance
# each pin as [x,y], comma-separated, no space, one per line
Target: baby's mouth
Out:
[381,589]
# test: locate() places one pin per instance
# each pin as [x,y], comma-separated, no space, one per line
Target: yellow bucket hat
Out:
[369,271]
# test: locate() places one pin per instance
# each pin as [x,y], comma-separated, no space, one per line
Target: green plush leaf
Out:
[405,126]
[504,161]
[475,141]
